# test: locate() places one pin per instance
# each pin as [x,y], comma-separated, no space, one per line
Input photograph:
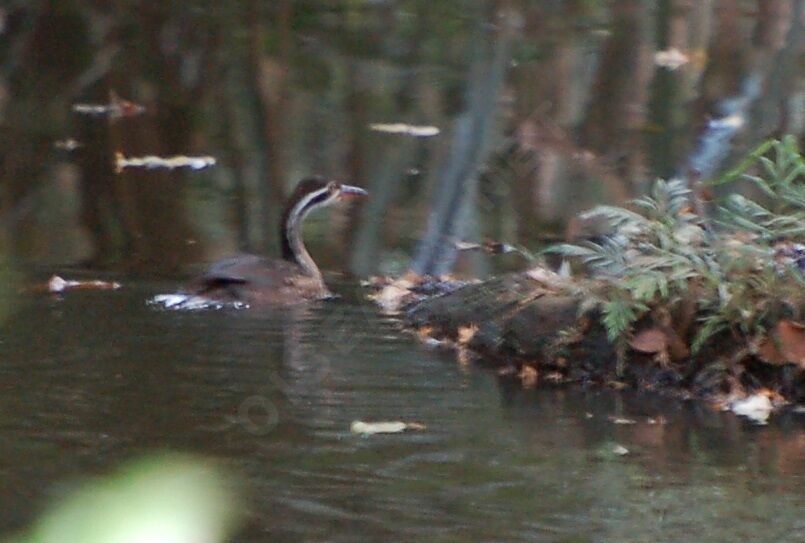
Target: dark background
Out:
[545,108]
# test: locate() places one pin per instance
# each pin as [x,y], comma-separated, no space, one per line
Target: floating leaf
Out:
[391,427]
[58,284]
[622,421]
[620,450]
[672,59]
[117,108]
[757,408]
[406,129]
[152,162]
[68,144]
[492,248]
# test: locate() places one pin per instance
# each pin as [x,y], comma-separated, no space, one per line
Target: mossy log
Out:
[516,322]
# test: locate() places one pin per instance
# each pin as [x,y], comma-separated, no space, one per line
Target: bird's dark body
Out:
[259,281]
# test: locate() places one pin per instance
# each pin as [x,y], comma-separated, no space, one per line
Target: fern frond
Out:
[711,326]
[608,256]
[667,200]
[616,217]
[619,316]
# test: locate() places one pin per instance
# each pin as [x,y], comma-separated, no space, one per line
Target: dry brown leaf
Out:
[650,341]
[546,277]
[792,341]
[392,296]
[768,351]
[529,376]
[786,345]
[466,333]
[424,333]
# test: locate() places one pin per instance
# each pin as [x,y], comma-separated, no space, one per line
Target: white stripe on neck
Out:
[293,236]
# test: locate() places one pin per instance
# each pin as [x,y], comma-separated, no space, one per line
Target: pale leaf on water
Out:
[386,427]
[622,421]
[405,129]
[117,108]
[58,284]
[620,450]
[152,162]
[756,408]
[672,59]
[68,144]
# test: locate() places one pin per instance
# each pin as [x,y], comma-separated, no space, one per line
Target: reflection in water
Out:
[273,395]
[545,108]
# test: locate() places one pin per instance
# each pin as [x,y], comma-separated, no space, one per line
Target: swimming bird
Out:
[257,280]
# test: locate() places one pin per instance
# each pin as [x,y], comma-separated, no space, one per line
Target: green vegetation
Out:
[666,266]
[168,498]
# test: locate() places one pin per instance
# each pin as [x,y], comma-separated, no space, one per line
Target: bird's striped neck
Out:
[293,248]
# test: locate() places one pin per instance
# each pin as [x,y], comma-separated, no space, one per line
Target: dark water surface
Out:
[97,377]
[545,109]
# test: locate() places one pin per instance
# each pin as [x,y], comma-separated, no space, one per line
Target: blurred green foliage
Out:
[661,256]
[164,499]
